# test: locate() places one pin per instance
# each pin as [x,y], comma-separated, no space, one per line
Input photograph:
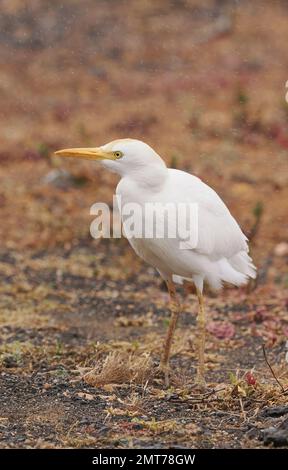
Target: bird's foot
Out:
[200,381]
[164,370]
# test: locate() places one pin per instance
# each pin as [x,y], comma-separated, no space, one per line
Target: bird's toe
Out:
[201,382]
[163,372]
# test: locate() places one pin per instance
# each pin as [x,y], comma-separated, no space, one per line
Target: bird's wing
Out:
[219,235]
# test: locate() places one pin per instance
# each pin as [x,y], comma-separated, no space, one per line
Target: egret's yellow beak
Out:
[87,153]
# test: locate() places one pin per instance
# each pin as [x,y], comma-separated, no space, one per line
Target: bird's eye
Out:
[118,154]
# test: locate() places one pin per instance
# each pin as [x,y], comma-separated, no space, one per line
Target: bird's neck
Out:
[149,177]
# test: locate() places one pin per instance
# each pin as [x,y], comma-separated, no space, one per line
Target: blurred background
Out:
[201,82]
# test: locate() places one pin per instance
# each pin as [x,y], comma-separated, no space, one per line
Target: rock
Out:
[276,436]
[275,411]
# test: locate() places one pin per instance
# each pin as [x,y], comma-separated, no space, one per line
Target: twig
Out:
[242,409]
[199,399]
[207,395]
[271,370]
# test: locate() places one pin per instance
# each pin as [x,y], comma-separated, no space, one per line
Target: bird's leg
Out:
[201,326]
[175,310]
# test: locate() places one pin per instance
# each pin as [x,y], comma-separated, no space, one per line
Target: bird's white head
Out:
[127,157]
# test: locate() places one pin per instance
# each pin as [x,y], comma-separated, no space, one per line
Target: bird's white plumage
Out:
[218,254]
[221,254]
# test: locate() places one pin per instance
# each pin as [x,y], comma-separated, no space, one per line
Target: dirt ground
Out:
[82,320]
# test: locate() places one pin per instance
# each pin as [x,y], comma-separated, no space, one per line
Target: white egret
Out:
[221,252]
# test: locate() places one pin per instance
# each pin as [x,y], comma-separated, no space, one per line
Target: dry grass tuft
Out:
[265,392]
[119,368]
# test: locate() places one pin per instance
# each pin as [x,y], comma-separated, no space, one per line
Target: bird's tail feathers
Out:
[236,270]
[243,263]
[228,273]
